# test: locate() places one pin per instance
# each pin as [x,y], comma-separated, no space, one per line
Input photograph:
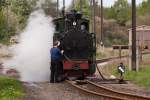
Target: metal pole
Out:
[101,36]
[94,21]
[81,6]
[57,8]
[7,16]
[63,11]
[73,4]
[64,5]
[91,15]
[134,35]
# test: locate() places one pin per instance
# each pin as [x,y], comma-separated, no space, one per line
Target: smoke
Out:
[31,55]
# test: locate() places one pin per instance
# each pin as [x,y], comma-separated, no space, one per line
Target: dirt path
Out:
[55,91]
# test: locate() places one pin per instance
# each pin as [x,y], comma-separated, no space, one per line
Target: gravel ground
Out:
[63,91]
[54,91]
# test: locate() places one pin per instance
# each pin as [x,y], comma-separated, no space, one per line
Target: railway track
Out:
[104,92]
[116,57]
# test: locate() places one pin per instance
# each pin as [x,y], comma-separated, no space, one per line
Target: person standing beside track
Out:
[55,62]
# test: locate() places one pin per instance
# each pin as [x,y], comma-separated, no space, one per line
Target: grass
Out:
[142,78]
[10,89]
[4,41]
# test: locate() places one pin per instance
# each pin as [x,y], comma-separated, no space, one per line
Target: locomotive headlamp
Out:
[74,23]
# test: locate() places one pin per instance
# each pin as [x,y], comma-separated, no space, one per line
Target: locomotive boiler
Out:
[79,45]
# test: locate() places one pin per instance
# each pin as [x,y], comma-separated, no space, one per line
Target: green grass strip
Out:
[10,89]
[141,78]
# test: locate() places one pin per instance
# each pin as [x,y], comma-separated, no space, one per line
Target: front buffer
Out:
[76,68]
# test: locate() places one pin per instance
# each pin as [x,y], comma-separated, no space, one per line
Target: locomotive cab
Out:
[74,20]
[72,30]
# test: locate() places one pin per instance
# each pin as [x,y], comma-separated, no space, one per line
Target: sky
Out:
[107,3]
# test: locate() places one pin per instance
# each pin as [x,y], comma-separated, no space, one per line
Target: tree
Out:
[3,25]
[50,8]
[110,13]
[22,9]
[144,8]
[85,7]
[143,13]
[13,14]
[120,11]
[2,4]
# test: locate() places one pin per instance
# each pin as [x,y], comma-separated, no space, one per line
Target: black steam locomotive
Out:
[72,30]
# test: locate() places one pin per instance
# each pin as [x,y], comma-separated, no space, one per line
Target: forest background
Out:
[117,18]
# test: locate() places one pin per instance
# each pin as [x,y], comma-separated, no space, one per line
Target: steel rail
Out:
[110,97]
[109,59]
[123,94]
[116,57]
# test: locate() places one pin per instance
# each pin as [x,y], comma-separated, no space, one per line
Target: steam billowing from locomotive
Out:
[31,55]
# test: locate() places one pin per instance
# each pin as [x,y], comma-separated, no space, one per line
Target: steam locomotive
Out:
[72,30]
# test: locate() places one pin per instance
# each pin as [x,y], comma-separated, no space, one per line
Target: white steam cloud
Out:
[31,55]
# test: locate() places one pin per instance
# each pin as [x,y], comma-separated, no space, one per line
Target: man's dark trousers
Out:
[54,71]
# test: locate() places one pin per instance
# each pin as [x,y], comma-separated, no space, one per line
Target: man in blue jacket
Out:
[55,62]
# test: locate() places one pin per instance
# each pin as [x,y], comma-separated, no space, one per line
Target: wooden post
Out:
[134,35]
[120,52]
[101,36]
[73,4]
[63,10]
[130,50]
[64,5]
[57,8]
[81,6]
[91,16]
[94,20]
[137,58]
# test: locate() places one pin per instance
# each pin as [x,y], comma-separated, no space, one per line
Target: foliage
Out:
[120,12]
[22,10]
[116,39]
[50,8]
[144,8]
[13,15]
[10,89]
[143,13]
[85,7]
[3,25]
[2,4]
